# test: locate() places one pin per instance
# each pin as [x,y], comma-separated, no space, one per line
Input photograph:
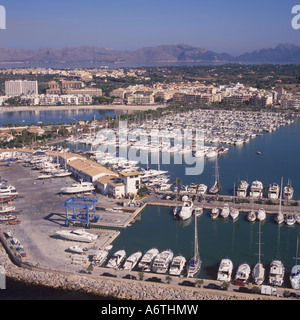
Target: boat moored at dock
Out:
[276,275]
[242,274]
[147,260]
[116,260]
[225,270]
[177,265]
[162,261]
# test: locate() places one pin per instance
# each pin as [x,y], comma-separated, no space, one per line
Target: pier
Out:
[211,201]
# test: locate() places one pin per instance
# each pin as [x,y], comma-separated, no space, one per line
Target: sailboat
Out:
[280,217]
[234,212]
[194,263]
[258,272]
[216,187]
[295,273]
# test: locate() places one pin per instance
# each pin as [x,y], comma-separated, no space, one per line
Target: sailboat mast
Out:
[280,196]
[196,238]
[259,243]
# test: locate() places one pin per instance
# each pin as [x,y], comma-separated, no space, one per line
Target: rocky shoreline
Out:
[112,288]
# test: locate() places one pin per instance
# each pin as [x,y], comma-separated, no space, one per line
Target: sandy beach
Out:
[96,107]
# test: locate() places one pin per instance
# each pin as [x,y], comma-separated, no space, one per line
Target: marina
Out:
[226,237]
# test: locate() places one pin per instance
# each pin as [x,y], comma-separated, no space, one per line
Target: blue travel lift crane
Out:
[87,214]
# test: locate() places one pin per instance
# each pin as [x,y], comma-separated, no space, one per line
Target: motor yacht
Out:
[186,210]
[162,261]
[225,270]
[242,274]
[78,188]
[198,210]
[99,257]
[273,191]
[7,192]
[177,265]
[117,258]
[146,262]
[288,192]
[132,261]
[7,209]
[276,275]
[256,189]
[225,211]
[261,214]
[242,189]
[215,213]
[202,188]
[77,235]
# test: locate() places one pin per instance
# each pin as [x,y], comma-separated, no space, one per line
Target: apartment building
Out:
[14,88]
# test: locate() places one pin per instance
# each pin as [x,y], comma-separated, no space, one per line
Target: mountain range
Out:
[282,53]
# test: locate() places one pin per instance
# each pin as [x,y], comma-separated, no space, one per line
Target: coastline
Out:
[73,107]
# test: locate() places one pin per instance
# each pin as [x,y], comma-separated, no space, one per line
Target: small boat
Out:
[251,216]
[225,211]
[6,209]
[276,275]
[279,218]
[132,261]
[162,261]
[198,211]
[288,191]
[214,213]
[261,214]
[76,249]
[117,258]
[242,274]
[225,270]
[45,176]
[297,218]
[258,152]
[7,217]
[146,262]
[234,213]
[177,265]
[290,219]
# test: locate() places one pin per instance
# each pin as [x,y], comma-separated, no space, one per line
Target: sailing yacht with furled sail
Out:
[280,216]
[258,272]
[194,264]
[216,187]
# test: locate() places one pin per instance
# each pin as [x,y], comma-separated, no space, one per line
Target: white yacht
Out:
[279,218]
[146,262]
[225,270]
[177,265]
[273,191]
[77,235]
[132,261]
[242,189]
[242,274]
[7,192]
[215,213]
[202,188]
[99,257]
[225,211]
[6,209]
[261,214]
[288,192]
[234,213]
[198,210]
[78,188]
[295,272]
[251,216]
[276,273]
[297,218]
[186,210]
[117,258]
[162,261]
[62,173]
[256,189]
[290,219]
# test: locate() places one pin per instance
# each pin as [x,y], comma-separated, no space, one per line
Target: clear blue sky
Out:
[233,26]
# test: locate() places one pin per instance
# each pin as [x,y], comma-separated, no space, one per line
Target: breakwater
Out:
[108,288]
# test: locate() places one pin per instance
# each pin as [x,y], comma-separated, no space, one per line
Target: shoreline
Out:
[95,107]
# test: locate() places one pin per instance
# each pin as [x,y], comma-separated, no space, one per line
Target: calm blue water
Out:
[54,116]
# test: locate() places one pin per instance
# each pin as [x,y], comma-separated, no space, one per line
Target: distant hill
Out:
[165,53]
[281,53]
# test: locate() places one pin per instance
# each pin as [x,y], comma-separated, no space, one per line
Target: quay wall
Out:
[108,288]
